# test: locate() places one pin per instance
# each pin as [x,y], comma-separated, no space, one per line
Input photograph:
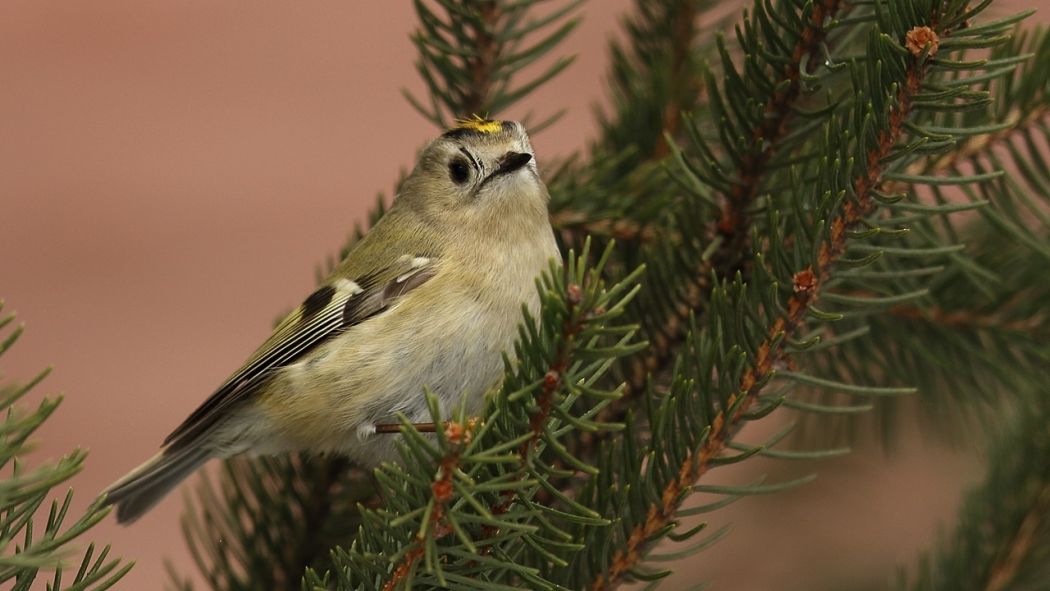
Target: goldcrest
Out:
[430,298]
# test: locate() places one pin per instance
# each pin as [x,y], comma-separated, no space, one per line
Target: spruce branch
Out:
[1002,539]
[685,87]
[436,526]
[545,399]
[266,520]
[977,146]
[471,52]
[969,320]
[977,336]
[31,555]
[766,134]
[655,77]
[1007,569]
[778,93]
[773,354]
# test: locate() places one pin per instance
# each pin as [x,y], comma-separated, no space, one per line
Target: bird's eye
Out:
[459,171]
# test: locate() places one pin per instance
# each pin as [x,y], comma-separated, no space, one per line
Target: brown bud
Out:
[805,281]
[551,379]
[575,294]
[918,38]
[454,431]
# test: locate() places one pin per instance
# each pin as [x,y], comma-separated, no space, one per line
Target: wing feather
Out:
[349,303]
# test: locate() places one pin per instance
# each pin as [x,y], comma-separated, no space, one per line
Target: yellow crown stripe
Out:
[480,125]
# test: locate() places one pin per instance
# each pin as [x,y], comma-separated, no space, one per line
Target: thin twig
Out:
[972,148]
[683,31]
[442,487]
[393,429]
[1003,571]
[622,230]
[731,227]
[458,434]
[482,66]
[970,320]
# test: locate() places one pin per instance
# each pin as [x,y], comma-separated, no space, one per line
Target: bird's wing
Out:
[332,309]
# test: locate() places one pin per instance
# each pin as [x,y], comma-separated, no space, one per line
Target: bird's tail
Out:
[145,486]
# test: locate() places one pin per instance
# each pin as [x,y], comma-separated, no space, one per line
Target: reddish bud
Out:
[918,38]
[805,281]
[454,431]
[551,379]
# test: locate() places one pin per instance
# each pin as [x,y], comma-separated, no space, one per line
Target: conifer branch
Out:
[482,65]
[772,353]
[268,519]
[436,526]
[975,338]
[1003,532]
[981,144]
[649,103]
[620,230]
[464,527]
[733,221]
[553,380]
[684,83]
[471,50]
[729,229]
[1036,327]
[318,511]
[1004,571]
[37,529]
[975,146]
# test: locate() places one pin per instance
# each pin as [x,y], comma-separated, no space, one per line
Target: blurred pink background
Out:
[172,172]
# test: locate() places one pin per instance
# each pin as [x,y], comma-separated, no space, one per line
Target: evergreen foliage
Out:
[39,552]
[1002,540]
[836,205]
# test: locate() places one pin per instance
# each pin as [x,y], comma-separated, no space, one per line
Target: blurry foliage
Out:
[38,536]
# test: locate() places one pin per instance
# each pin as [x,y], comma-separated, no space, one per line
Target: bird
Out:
[429,299]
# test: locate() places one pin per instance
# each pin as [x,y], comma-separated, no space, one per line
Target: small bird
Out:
[430,298]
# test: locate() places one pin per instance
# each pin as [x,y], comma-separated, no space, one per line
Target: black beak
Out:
[512,161]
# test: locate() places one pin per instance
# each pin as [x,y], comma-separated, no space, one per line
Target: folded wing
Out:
[328,312]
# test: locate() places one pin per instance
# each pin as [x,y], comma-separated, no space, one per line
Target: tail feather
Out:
[146,485]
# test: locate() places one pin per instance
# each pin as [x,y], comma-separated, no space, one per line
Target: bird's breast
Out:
[446,337]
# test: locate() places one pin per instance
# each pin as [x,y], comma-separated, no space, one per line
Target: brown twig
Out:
[1003,571]
[968,319]
[734,221]
[770,354]
[732,224]
[973,147]
[459,435]
[395,428]
[683,31]
[480,66]
[623,230]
